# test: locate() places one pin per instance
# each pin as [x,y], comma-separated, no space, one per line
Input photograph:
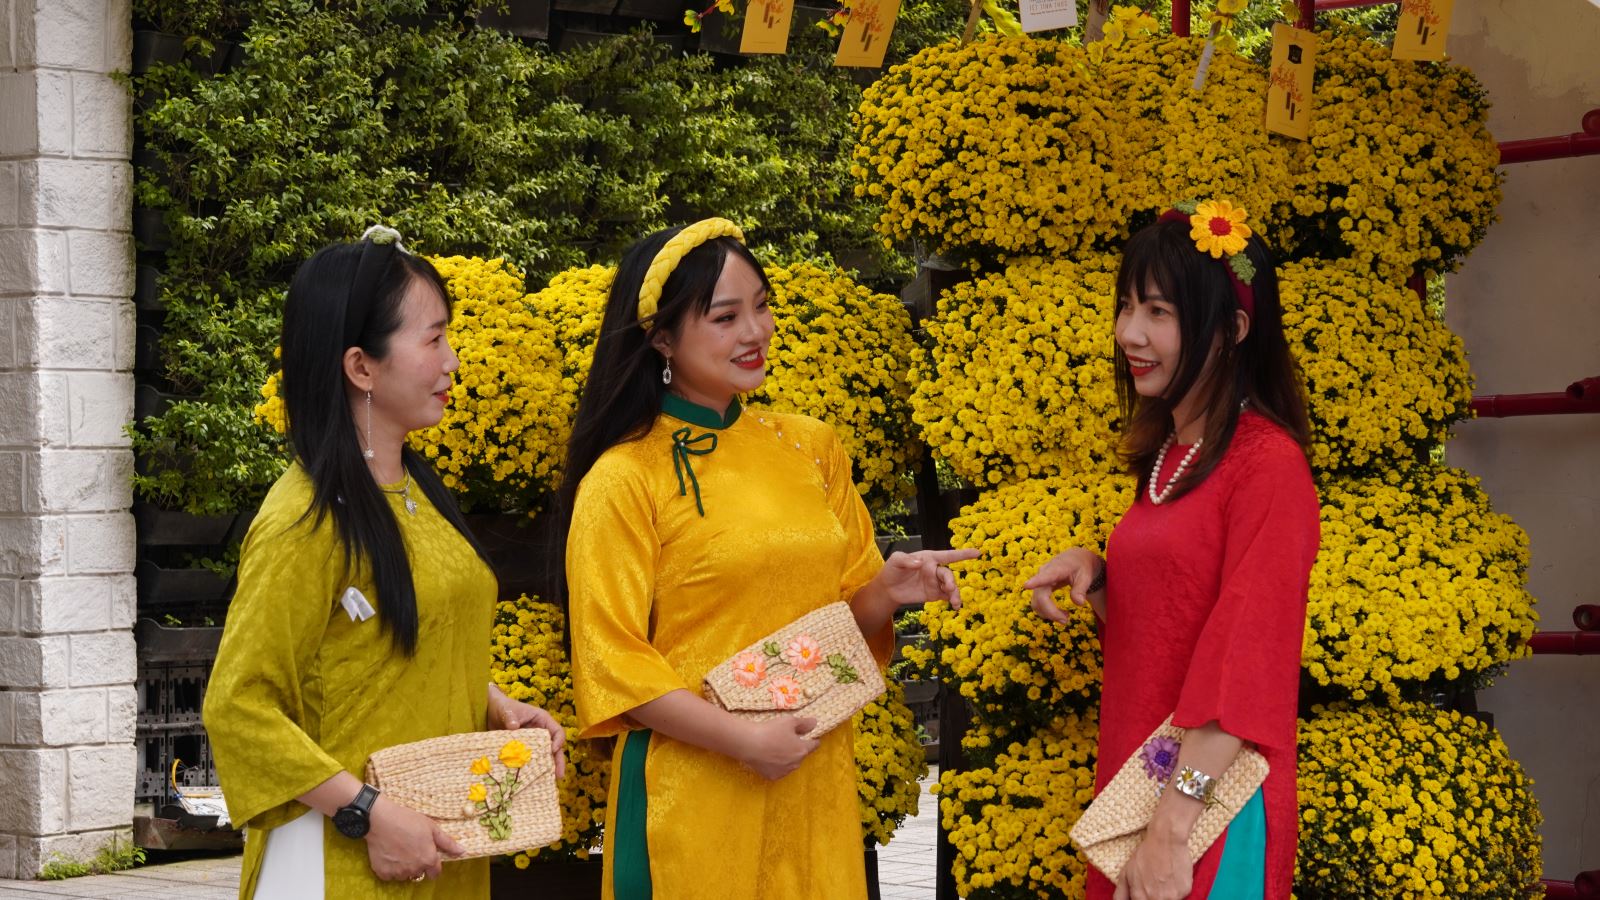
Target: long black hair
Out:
[350,295]
[624,391]
[1257,369]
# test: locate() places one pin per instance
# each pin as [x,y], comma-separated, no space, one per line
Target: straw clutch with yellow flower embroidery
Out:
[493,791]
[818,665]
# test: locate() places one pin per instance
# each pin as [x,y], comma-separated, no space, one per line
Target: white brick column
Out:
[67,597]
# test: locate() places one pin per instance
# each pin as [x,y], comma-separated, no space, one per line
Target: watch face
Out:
[351,822]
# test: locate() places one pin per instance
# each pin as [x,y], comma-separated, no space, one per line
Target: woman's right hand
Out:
[1073,569]
[776,747]
[405,845]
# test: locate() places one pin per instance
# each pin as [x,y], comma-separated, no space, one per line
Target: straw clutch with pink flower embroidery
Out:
[1113,825]
[818,666]
[493,791]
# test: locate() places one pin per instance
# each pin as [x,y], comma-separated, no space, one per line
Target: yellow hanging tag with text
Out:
[766,26]
[866,34]
[1422,29]
[1294,65]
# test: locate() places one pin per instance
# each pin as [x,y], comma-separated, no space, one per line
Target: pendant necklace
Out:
[404,491]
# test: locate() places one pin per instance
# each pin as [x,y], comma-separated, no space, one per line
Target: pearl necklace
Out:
[1160,497]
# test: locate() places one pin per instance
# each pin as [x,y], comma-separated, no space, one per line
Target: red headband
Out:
[1244,292]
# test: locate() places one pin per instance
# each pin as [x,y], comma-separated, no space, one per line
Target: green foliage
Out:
[349,113]
[111,858]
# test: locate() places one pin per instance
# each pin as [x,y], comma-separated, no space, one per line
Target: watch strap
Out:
[1098,582]
[364,799]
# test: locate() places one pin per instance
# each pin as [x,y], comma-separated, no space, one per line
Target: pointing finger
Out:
[946,557]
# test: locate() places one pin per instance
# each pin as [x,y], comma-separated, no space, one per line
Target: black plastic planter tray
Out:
[523,18]
[160,527]
[151,47]
[161,587]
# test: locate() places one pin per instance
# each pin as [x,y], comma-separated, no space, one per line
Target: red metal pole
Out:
[1180,18]
[1418,286]
[1587,883]
[1579,143]
[1537,149]
[1308,15]
[1500,406]
[1579,397]
[1566,643]
[1559,890]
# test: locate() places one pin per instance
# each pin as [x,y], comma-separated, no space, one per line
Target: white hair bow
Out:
[383,234]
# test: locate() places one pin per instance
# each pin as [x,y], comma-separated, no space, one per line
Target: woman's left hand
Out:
[1160,869]
[911,579]
[510,714]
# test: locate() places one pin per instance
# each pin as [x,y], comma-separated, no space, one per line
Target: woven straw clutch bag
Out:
[493,791]
[1111,828]
[818,665]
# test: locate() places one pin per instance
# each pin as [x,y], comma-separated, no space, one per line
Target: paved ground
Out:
[905,872]
[906,865]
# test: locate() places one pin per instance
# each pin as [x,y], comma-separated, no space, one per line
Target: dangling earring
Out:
[367,453]
[666,374]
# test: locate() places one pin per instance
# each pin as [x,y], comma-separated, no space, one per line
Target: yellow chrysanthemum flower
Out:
[1411,801]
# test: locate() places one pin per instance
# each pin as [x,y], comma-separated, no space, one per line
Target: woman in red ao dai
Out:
[1201,596]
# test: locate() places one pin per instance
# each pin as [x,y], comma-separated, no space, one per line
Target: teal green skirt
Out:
[1242,874]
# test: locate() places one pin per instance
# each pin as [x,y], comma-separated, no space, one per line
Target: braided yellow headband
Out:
[672,253]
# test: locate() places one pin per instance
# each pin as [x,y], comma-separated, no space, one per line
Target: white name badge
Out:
[356,605]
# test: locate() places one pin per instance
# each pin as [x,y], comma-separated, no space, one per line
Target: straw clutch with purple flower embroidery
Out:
[818,666]
[1111,828]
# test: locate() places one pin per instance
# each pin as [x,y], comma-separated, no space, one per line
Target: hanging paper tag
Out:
[1422,29]
[1294,64]
[766,26]
[356,606]
[1046,15]
[866,34]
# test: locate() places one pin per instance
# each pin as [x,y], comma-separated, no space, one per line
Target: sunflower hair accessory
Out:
[1217,227]
[672,253]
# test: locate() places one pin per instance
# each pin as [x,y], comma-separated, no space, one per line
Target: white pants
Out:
[292,866]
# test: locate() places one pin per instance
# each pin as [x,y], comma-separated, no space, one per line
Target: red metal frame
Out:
[1181,18]
[1586,886]
[1586,617]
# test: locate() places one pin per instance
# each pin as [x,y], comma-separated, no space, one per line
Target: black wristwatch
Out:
[1098,582]
[354,819]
